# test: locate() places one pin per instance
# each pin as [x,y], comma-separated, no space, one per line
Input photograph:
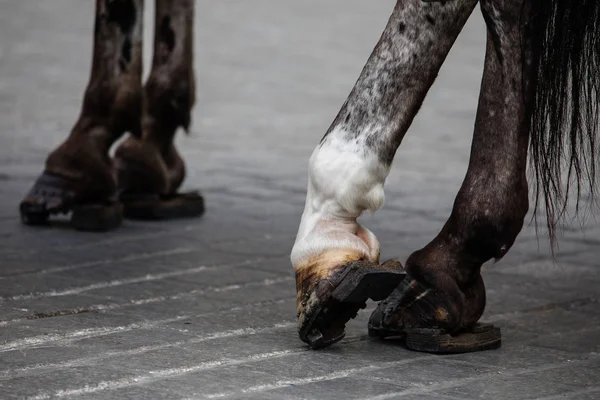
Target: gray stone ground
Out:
[205,308]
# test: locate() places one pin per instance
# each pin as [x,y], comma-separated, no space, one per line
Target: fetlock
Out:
[82,160]
[148,165]
[151,163]
[79,178]
[141,168]
[454,278]
[444,289]
[434,295]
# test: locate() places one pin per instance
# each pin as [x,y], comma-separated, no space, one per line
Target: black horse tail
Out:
[563,110]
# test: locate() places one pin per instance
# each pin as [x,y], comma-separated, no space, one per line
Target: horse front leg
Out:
[79,174]
[444,292]
[335,258]
[150,167]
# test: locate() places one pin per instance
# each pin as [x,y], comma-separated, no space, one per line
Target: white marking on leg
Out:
[344,180]
[347,171]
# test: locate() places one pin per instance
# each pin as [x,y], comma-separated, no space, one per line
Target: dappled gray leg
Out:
[491,204]
[348,168]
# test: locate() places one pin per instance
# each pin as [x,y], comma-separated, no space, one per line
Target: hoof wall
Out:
[33,215]
[52,194]
[88,217]
[478,338]
[335,301]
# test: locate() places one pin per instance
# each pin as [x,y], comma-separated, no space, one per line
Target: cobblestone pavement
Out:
[205,308]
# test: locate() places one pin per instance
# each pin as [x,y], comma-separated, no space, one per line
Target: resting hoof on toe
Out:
[328,297]
[426,320]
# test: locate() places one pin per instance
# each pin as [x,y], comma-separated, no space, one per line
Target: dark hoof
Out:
[477,338]
[423,319]
[33,213]
[334,301]
[377,329]
[52,194]
[155,207]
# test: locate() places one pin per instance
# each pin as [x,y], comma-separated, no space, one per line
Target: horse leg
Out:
[444,288]
[150,167]
[334,257]
[79,175]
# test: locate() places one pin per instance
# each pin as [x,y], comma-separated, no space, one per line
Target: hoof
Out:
[420,318]
[479,337]
[53,194]
[332,301]
[148,183]
[155,207]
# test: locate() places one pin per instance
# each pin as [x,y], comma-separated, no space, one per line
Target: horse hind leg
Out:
[150,167]
[444,289]
[79,175]
[334,257]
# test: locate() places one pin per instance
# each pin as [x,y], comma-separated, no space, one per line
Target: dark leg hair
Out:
[80,170]
[113,98]
[168,100]
[491,204]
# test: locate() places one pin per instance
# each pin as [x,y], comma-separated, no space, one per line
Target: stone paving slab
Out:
[202,309]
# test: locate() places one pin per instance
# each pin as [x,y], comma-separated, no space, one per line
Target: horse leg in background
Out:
[150,167]
[335,258]
[79,176]
[444,292]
